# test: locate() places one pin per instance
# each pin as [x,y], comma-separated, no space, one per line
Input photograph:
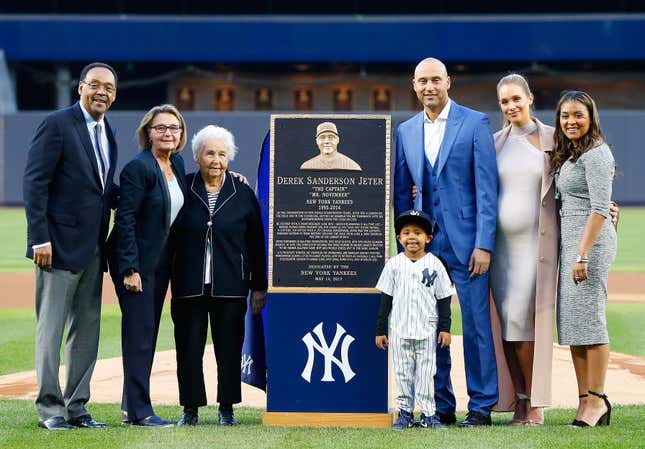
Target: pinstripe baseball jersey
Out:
[415,288]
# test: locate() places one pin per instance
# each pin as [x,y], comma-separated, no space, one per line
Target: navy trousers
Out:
[141,314]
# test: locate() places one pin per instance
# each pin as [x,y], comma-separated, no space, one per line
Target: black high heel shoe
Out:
[605,418]
[575,422]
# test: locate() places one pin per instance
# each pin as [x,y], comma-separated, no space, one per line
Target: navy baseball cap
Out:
[416,217]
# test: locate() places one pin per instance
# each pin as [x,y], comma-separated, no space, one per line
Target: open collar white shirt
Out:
[105,144]
[433,132]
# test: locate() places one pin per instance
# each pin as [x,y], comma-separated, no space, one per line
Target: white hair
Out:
[212,132]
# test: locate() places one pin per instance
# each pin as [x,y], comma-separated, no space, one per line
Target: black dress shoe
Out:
[446,418]
[55,423]
[86,422]
[188,418]
[474,419]
[124,418]
[152,421]
[227,419]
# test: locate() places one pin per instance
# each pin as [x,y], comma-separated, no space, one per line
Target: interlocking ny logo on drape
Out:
[247,361]
[327,351]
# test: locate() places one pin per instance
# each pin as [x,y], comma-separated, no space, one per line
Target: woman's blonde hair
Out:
[142,131]
[518,80]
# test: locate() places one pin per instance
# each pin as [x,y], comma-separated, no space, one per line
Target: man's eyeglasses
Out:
[109,88]
[161,129]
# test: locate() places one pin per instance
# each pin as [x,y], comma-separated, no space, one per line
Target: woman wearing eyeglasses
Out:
[153,189]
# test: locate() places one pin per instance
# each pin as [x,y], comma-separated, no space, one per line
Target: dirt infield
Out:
[625,378]
[17,289]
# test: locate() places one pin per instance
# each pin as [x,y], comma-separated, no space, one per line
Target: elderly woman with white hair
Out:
[218,256]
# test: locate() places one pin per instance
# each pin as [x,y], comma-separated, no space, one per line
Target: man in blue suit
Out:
[447,153]
[68,193]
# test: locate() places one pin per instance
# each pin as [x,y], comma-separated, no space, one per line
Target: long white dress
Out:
[514,262]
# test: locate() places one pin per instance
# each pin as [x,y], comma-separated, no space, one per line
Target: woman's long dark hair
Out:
[562,146]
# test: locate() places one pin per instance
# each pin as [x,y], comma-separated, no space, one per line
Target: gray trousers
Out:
[70,301]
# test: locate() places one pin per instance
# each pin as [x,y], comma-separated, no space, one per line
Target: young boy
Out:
[416,290]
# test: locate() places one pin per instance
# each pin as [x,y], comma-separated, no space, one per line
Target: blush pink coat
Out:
[545,287]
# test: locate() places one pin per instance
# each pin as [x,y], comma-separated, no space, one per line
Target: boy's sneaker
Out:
[430,422]
[405,421]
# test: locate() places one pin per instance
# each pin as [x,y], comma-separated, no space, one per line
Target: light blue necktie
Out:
[99,149]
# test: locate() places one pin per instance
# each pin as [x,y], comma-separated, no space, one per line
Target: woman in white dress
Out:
[524,266]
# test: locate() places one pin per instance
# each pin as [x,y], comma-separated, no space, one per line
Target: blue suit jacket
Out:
[64,200]
[142,220]
[466,177]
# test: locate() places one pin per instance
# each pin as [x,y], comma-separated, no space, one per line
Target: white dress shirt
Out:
[176,198]
[433,132]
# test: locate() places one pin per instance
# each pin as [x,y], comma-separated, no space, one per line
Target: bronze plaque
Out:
[225,99]
[329,202]
[303,99]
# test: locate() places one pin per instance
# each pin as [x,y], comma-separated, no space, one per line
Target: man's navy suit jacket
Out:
[64,200]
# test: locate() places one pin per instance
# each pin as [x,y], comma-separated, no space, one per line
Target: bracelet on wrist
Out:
[580,259]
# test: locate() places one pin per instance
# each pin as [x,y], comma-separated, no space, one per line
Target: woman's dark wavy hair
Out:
[562,146]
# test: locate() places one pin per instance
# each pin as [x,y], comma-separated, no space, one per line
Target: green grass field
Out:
[18,330]
[18,423]
[18,418]
[13,240]
[631,245]
[17,326]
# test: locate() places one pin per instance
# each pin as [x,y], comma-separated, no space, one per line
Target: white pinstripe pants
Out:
[414,363]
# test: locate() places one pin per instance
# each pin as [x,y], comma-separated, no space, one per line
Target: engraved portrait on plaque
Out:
[327,140]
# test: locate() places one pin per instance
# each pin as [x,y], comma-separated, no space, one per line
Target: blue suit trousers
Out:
[479,352]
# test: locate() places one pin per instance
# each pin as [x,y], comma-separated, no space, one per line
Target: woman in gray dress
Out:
[584,168]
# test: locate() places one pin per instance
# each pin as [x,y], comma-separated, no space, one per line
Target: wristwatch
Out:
[129,272]
[580,259]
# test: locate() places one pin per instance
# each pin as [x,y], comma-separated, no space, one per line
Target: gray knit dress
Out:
[585,186]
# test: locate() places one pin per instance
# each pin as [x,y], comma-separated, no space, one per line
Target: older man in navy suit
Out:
[68,193]
[447,153]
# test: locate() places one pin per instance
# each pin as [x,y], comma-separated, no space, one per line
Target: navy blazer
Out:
[235,233]
[64,200]
[142,221]
[466,179]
